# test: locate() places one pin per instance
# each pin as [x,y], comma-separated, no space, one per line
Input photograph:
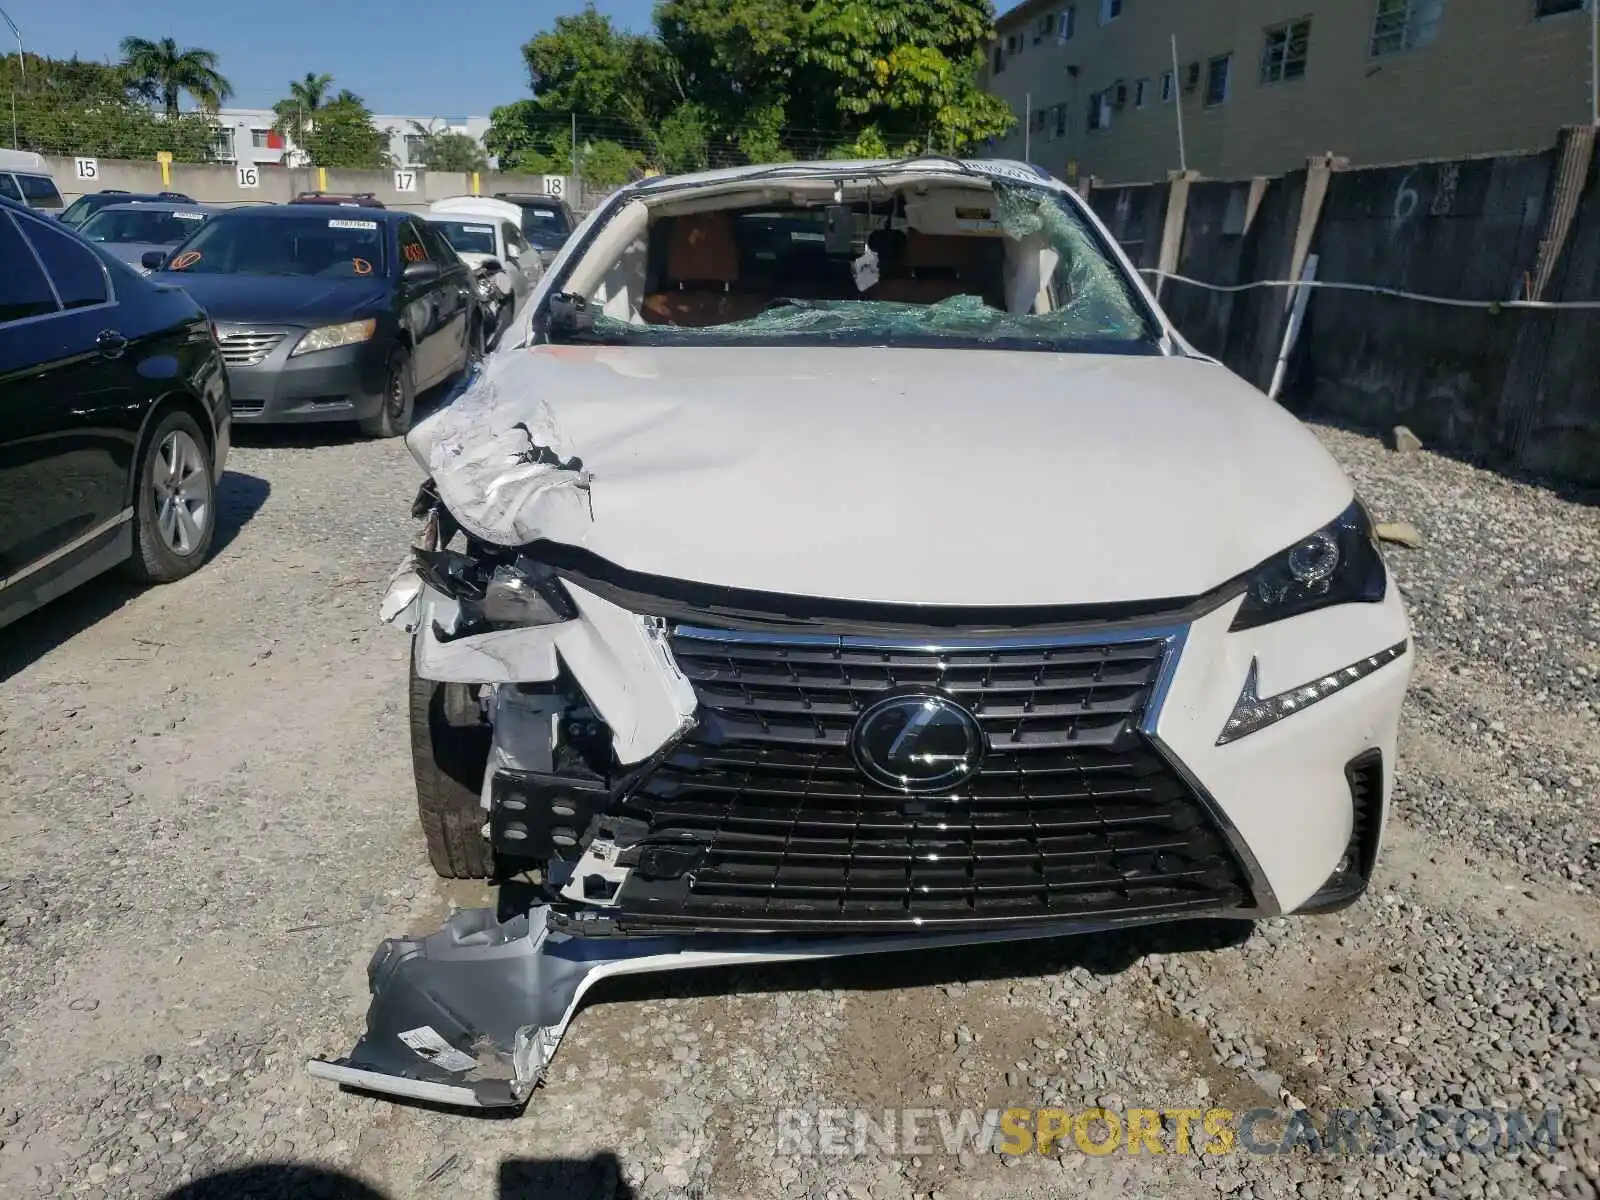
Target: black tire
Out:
[449,762]
[394,414]
[159,556]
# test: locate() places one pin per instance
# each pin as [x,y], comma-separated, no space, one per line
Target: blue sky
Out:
[406,57]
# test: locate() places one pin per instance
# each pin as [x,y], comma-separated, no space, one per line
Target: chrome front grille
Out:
[1074,813]
[247,348]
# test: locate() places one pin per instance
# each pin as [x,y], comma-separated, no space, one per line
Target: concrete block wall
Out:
[1518,388]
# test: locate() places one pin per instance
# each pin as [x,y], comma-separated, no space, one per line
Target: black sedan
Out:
[114,421]
[328,314]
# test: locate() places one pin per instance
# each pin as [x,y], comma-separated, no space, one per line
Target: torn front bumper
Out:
[472,1015]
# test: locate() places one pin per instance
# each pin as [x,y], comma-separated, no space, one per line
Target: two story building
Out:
[246,136]
[1263,84]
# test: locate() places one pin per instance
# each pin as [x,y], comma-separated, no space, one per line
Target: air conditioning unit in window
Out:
[1191,76]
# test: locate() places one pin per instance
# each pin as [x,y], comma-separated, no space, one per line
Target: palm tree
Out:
[296,111]
[160,71]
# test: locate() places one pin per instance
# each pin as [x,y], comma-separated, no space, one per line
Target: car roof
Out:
[158,205]
[323,212]
[479,206]
[530,198]
[117,197]
[989,169]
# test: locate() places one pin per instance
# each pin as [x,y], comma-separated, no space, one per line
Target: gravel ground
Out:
[206,824]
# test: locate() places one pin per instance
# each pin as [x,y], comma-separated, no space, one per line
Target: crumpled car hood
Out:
[915,476]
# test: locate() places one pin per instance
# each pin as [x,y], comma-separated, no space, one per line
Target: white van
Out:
[25,177]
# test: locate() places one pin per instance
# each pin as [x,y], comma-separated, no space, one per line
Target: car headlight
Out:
[1338,564]
[519,594]
[330,337]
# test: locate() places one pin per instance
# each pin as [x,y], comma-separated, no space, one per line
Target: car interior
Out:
[729,254]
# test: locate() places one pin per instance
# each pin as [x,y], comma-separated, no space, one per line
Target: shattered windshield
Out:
[1013,267]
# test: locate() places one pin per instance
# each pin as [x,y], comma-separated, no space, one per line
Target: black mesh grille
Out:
[1072,814]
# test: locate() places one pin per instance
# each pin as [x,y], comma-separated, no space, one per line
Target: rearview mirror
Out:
[421,272]
[153,260]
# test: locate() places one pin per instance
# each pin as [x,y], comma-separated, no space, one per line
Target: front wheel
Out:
[393,417]
[449,760]
[175,503]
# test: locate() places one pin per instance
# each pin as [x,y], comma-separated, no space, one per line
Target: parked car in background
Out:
[547,222]
[85,206]
[487,234]
[25,178]
[347,199]
[130,231]
[329,316]
[114,418]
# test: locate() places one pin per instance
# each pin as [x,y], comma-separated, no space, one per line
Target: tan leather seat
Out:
[935,264]
[701,268]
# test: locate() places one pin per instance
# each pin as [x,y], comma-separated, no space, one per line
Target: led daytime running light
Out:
[1251,712]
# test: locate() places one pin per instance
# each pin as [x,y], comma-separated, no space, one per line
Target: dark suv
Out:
[547,222]
[114,418]
[85,206]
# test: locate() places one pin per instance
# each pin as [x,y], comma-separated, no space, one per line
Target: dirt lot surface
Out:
[207,824]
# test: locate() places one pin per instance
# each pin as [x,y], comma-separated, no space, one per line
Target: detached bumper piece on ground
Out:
[472,1015]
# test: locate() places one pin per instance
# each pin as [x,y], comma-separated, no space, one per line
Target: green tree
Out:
[160,72]
[761,81]
[447,150]
[68,107]
[343,135]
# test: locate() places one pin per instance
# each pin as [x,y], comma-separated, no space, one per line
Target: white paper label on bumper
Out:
[429,1045]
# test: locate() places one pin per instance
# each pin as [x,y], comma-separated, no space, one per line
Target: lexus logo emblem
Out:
[917,742]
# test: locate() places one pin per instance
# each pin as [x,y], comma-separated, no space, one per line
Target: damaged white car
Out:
[850,557]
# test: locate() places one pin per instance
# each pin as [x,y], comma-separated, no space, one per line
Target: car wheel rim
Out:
[182,486]
[397,392]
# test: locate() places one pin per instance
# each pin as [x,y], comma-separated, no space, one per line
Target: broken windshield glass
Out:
[1037,277]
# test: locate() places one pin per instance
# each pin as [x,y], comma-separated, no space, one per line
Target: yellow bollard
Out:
[475,184]
[322,179]
[164,157]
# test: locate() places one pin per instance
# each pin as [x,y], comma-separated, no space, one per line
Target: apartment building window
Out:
[222,143]
[414,144]
[1067,23]
[1061,120]
[1138,93]
[1552,8]
[1100,110]
[261,139]
[1400,25]
[1166,87]
[1013,43]
[1283,56]
[1217,72]
[1110,10]
[1046,24]
[999,59]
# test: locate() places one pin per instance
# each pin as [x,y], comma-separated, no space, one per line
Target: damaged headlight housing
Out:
[330,337]
[516,594]
[1337,564]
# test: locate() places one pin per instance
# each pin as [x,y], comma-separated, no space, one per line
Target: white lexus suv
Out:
[855,549]
[855,546]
